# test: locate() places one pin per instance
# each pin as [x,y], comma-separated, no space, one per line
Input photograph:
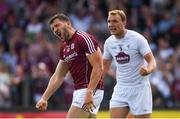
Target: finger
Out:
[143,66]
[42,108]
[91,109]
[39,108]
[84,107]
[142,72]
[143,69]
[87,107]
[38,105]
[88,110]
[93,105]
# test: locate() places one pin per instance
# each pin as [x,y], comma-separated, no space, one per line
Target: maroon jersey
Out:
[74,52]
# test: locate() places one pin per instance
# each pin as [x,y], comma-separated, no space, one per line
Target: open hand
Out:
[88,103]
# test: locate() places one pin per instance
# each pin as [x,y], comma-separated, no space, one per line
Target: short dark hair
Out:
[59,16]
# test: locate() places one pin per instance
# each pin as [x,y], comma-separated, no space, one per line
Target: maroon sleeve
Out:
[88,43]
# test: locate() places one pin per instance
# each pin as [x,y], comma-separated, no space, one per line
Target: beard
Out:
[66,34]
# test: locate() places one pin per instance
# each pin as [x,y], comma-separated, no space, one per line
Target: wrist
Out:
[89,91]
[44,99]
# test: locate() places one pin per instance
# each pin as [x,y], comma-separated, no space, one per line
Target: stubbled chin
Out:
[60,38]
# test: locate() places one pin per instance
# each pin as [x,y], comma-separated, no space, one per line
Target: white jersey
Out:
[127,53]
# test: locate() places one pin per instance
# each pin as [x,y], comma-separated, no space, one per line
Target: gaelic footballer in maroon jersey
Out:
[81,56]
[74,53]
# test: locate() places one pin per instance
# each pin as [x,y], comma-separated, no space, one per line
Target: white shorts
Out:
[137,98]
[79,95]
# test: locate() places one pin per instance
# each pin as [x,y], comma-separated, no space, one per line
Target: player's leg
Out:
[119,112]
[143,116]
[130,116]
[141,105]
[119,107]
[76,112]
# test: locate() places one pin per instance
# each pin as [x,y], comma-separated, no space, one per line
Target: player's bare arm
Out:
[106,64]
[54,83]
[151,65]
[96,61]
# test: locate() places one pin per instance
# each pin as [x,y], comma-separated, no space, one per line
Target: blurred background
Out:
[29,51]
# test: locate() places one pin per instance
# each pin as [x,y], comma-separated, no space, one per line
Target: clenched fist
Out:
[144,71]
[42,105]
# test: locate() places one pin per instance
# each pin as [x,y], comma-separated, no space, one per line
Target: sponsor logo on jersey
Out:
[70,57]
[122,58]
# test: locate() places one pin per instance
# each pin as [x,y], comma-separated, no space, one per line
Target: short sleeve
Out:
[88,43]
[143,46]
[106,54]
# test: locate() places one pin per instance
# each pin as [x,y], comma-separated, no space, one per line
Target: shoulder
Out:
[84,35]
[87,42]
[109,39]
[135,35]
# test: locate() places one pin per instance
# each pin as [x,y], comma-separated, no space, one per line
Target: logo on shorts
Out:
[145,110]
[134,109]
[76,102]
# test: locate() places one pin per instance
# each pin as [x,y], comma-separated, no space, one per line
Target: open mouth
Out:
[58,33]
[112,29]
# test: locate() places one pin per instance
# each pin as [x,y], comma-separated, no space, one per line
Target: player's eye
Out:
[57,25]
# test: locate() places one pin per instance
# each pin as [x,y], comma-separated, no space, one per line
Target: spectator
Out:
[5,86]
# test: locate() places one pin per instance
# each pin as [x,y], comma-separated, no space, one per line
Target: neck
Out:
[71,33]
[122,34]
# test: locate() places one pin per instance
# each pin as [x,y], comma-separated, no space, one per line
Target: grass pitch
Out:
[155,114]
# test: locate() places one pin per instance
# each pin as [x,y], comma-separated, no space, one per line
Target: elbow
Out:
[154,66]
[101,70]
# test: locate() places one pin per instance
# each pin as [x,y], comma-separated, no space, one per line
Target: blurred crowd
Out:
[29,51]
